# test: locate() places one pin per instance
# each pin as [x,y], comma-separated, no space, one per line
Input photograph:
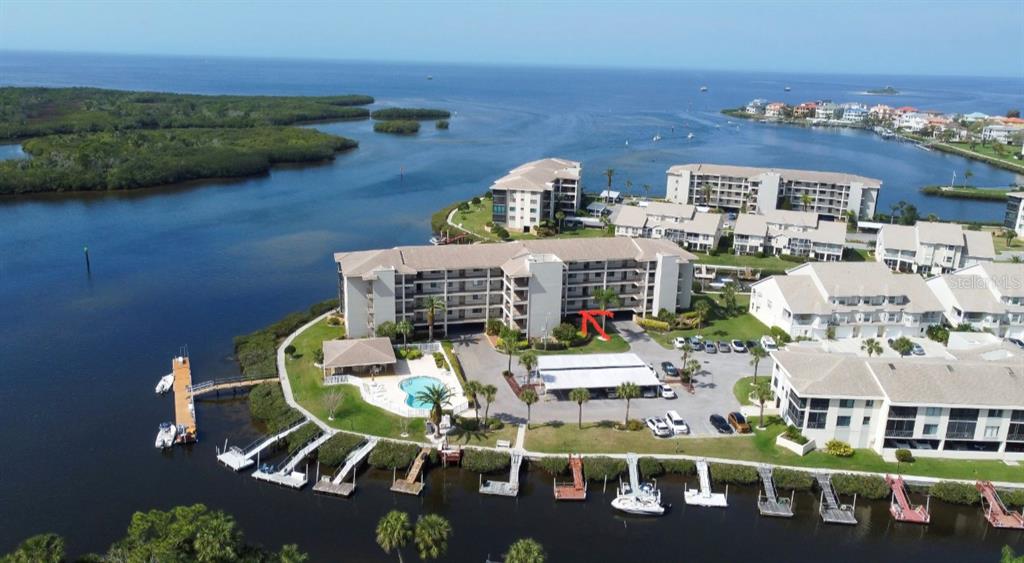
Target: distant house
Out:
[854,113]
[975,116]
[1004,134]
[826,110]
[677,222]
[932,248]
[881,112]
[981,296]
[912,121]
[775,109]
[610,196]
[806,109]
[1014,218]
[789,233]
[756,106]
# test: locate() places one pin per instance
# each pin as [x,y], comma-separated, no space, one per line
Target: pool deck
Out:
[386,392]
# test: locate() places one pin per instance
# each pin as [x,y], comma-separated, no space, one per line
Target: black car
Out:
[669,369]
[751,344]
[720,424]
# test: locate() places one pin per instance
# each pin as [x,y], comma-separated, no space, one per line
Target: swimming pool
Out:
[414,385]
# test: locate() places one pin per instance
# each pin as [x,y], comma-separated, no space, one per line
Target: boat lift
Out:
[901,508]
[285,474]
[703,496]
[337,485]
[239,458]
[828,504]
[768,502]
[502,488]
[995,511]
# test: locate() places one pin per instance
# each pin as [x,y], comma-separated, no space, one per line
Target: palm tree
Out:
[628,391]
[609,173]
[525,550]
[437,396]
[529,397]
[405,328]
[433,304]
[580,395]
[729,298]
[474,388]
[490,392]
[705,190]
[763,394]
[872,347]
[1009,235]
[528,360]
[629,188]
[703,309]
[560,216]
[687,350]
[757,354]
[805,201]
[647,191]
[431,536]
[691,367]
[393,532]
[605,297]
[509,343]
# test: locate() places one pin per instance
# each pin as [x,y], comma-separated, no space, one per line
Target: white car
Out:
[667,392]
[676,423]
[679,341]
[768,343]
[658,426]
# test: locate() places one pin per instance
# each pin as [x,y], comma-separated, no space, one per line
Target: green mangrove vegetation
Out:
[967,192]
[256,352]
[386,114]
[397,126]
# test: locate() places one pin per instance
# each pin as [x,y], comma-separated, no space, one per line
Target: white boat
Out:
[689,136]
[435,241]
[165,436]
[656,138]
[165,384]
[645,502]
[788,88]
[703,88]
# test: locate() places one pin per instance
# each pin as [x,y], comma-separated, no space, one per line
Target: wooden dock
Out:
[409,485]
[184,406]
[901,508]
[829,508]
[995,511]
[228,384]
[508,488]
[768,502]
[577,490]
[337,485]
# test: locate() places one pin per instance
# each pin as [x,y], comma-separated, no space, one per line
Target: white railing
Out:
[337,380]
[425,347]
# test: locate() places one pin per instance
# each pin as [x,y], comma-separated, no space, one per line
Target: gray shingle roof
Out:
[358,352]
[786,173]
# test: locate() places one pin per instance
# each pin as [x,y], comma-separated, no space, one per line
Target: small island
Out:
[397,126]
[887,91]
[388,114]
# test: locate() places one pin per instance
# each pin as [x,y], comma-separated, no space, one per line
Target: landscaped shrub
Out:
[679,466]
[792,480]
[485,461]
[494,327]
[632,425]
[439,361]
[735,474]
[334,451]
[793,434]
[267,405]
[494,423]
[904,456]
[865,486]
[955,493]
[299,438]
[649,467]
[1014,498]
[393,455]
[779,335]
[410,353]
[554,465]
[597,468]
[838,448]
[653,324]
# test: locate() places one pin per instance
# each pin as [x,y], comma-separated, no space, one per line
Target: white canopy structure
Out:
[594,371]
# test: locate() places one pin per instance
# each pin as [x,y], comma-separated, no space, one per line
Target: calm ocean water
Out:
[200,264]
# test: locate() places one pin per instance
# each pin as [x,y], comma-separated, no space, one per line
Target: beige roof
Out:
[972,294]
[1007,277]
[870,279]
[358,352]
[829,232]
[704,223]
[628,216]
[939,233]
[816,374]
[412,259]
[789,217]
[935,382]
[802,296]
[979,244]
[677,210]
[749,224]
[899,237]
[538,175]
[786,173]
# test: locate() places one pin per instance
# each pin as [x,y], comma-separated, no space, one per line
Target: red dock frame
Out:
[995,511]
[577,490]
[901,508]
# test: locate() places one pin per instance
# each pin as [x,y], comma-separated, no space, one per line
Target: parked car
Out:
[739,423]
[738,346]
[710,347]
[648,392]
[719,423]
[751,344]
[658,426]
[679,341]
[667,392]
[697,341]
[917,350]
[669,370]
[676,423]
[723,347]
[1016,342]
[768,343]
[613,394]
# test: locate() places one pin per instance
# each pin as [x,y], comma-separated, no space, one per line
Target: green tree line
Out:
[410,113]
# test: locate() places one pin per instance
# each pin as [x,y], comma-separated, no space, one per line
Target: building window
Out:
[846,403]
[991,431]
[816,420]
[995,413]
[843,421]
[931,429]
[902,412]
[869,403]
[819,404]
[933,411]
[866,421]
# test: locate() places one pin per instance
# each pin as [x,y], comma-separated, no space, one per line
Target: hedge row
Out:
[300,437]
[554,465]
[485,461]
[335,450]
[393,455]
[267,405]
[865,486]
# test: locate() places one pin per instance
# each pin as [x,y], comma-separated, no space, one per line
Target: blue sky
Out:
[983,38]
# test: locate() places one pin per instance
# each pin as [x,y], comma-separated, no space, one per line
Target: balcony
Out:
[954,435]
[899,433]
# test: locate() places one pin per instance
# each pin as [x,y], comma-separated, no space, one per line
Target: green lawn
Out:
[719,327]
[769,263]
[744,386]
[615,345]
[999,241]
[991,150]
[603,438]
[478,215]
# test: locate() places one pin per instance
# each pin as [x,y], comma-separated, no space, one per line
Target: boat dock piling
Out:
[409,486]
[901,508]
[502,488]
[768,503]
[184,406]
[704,496]
[337,485]
[239,458]
[828,504]
[577,490]
[995,511]
[286,474]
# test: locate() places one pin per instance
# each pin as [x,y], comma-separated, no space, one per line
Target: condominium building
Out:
[530,285]
[1014,218]
[757,190]
[849,299]
[932,248]
[988,296]
[536,191]
[677,222]
[790,233]
[966,407]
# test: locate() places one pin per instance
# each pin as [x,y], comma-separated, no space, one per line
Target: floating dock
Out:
[239,458]
[995,511]
[704,496]
[503,488]
[901,508]
[768,502]
[285,474]
[337,485]
[409,485]
[577,490]
[184,406]
[828,504]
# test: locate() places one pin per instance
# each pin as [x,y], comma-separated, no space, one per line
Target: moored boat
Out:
[165,435]
[165,383]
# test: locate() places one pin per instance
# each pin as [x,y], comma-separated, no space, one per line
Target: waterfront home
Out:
[853,112]
[681,223]
[845,299]
[932,248]
[912,121]
[987,296]
[975,116]
[610,196]
[789,233]
[530,285]
[825,110]
[775,109]
[805,109]
[359,356]
[1003,133]
[757,190]
[535,192]
[969,406]
[756,106]
[881,113]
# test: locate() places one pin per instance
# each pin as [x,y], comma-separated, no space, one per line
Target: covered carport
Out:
[601,374]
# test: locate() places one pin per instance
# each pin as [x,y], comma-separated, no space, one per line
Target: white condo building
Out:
[677,222]
[1014,218]
[987,296]
[793,233]
[854,299]
[535,192]
[969,406]
[758,190]
[932,248]
[530,285]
